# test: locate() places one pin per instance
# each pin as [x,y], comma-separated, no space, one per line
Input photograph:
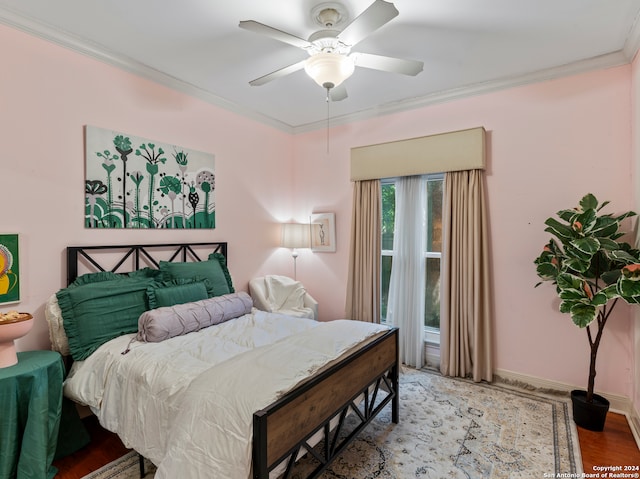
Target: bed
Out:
[251,406]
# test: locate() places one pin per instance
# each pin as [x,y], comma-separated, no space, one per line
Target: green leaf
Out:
[547,271]
[610,291]
[567,215]
[588,202]
[573,252]
[587,220]
[588,245]
[565,306]
[582,314]
[600,299]
[611,277]
[622,256]
[628,288]
[577,265]
[605,226]
[568,281]
[608,244]
[628,214]
[572,294]
[563,232]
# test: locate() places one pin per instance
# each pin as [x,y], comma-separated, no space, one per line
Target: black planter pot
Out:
[589,416]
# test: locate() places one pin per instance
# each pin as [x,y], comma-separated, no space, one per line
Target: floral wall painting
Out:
[9,269]
[133,182]
[323,232]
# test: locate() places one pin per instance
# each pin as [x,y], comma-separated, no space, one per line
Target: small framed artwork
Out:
[9,269]
[323,232]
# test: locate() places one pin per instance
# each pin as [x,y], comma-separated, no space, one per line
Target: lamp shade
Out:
[329,69]
[296,235]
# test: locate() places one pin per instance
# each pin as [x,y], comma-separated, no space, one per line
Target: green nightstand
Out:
[30,411]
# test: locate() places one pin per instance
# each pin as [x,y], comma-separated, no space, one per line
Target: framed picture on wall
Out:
[323,232]
[9,269]
[133,182]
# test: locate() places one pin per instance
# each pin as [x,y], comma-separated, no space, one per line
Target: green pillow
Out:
[100,276]
[146,273]
[95,313]
[97,277]
[214,270]
[220,258]
[176,292]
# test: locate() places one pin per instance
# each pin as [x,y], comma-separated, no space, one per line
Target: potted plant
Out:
[592,270]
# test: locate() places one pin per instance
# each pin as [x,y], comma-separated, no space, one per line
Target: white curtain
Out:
[407,284]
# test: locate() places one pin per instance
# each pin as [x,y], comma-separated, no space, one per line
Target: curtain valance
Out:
[453,151]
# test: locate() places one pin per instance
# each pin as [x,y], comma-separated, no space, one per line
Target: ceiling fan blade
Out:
[274,33]
[387,64]
[376,15]
[338,93]
[278,73]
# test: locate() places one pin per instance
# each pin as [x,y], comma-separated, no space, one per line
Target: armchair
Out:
[281,294]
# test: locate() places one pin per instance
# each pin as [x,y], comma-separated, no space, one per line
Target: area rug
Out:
[451,428]
[125,467]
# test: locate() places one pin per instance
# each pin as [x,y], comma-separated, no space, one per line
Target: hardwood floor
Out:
[615,446]
[104,448]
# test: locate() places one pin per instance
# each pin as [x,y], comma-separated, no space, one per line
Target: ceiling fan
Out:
[330,59]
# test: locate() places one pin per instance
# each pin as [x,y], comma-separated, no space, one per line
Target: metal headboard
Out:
[140,254]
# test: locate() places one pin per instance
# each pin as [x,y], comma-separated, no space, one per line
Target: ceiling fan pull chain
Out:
[328,98]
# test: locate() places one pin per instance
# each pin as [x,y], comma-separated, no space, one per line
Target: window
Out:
[432,254]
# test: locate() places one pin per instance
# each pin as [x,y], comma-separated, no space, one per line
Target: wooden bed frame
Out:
[282,431]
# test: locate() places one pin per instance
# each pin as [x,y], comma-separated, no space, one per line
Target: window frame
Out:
[432,335]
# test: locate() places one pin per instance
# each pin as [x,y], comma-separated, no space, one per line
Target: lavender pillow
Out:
[163,323]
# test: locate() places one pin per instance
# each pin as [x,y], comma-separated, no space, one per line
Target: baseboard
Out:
[619,404]
[634,424]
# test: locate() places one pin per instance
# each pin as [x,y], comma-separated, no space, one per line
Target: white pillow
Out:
[57,335]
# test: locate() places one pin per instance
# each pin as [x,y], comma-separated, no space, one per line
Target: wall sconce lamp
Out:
[295,235]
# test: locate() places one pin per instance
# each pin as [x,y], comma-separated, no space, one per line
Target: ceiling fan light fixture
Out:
[329,69]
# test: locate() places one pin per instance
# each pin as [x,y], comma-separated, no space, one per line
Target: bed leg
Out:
[141,463]
[395,380]
[395,402]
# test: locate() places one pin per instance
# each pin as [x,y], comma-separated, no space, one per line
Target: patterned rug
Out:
[451,428]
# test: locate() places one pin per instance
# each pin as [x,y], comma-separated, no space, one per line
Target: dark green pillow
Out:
[214,270]
[176,292]
[146,273]
[219,257]
[97,277]
[95,313]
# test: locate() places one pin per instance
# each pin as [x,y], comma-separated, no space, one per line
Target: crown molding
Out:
[632,42]
[597,63]
[100,53]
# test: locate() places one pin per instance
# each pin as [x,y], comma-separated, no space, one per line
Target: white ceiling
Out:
[467,46]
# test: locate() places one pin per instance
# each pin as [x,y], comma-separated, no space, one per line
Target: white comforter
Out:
[187,403]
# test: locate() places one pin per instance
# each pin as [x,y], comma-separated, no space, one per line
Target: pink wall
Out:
[635,145]
[548,145]
[48,94]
